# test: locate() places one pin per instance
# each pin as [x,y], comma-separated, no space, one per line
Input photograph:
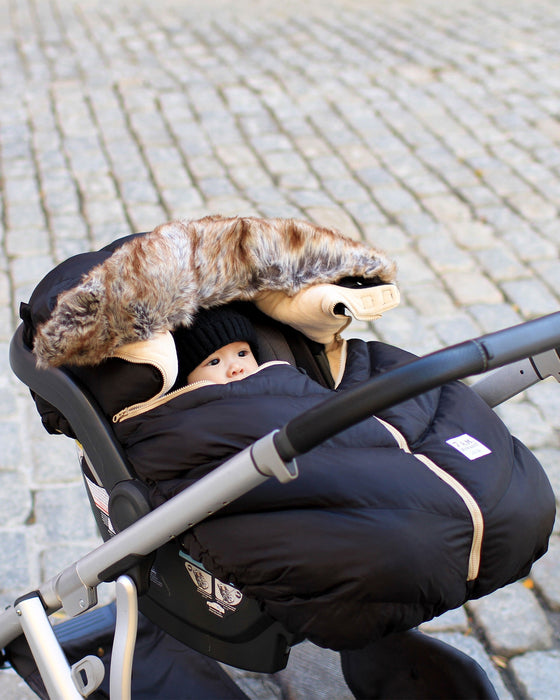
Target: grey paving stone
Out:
[145,217]
[279,162]
[443,255]
[456,329]
[451,621]
[54,458]
[526,422]
[419,225]
[391,238]
[479,196]
[18,565]
[63,200]
[68,226]
[546,574]
[528,244]
[501,263]
[512,620]
[10,439]
[14,687]
[66,514]
[472,234]
[531,296]
[99,212]
[404,328]
[494,317]
[550,459]
[432,301]
[138,192]
[18,507]
[534,207]
[414,270]
[367,213]
[549,272]
[30,268]
[395,200]
[537,673]
[472,287]
[311,198]
[8,396]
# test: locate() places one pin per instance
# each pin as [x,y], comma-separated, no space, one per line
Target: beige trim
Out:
[158,351]
[474,511]
[336,355]
[399,437]
[469,501]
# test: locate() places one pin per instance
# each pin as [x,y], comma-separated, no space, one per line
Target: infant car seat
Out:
[177,593]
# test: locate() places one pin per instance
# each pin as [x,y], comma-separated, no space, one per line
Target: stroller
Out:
[143,550]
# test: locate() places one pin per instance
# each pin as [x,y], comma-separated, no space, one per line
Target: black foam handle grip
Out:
[306,431]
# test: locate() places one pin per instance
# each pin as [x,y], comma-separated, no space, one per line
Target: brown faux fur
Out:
[158,281]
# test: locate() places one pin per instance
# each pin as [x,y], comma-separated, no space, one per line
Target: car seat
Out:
[177,593]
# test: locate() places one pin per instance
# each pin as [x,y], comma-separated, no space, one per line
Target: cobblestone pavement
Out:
[431,129]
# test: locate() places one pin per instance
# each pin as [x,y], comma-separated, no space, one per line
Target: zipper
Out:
[159,400]
[473,508]
[467,498]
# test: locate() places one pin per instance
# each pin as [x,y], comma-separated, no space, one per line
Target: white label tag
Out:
[468,446]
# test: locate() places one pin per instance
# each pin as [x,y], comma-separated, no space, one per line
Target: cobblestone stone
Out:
[512,620]
[451,621]
[472,288]
[526,421]
[537,673]
[61,509]
[493,316]
[428,129]
[546,574]
[11,454]
[531,296]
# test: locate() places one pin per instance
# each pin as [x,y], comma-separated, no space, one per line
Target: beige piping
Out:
[472,506]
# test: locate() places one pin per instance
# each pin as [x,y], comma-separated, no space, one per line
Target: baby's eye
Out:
[214,361]
[243,353]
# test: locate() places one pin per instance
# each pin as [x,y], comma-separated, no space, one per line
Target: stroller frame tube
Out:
[126,628]
[49,657]
[74,589]
[505,382]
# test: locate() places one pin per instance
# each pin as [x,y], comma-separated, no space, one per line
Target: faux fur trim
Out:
[158,281]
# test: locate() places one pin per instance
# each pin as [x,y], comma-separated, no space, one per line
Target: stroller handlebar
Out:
[476,356]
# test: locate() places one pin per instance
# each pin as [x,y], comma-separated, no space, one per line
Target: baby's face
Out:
[228,364]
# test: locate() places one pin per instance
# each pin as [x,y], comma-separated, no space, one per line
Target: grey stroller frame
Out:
[530,349]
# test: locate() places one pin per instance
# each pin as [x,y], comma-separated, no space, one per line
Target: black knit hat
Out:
[211,330]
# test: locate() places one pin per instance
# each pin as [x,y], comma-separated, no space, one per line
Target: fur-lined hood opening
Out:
[157,281]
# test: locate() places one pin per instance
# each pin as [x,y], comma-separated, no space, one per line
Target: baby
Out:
[220,347]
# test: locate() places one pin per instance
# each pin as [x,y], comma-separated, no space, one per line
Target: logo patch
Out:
[469,446]
[222,598]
